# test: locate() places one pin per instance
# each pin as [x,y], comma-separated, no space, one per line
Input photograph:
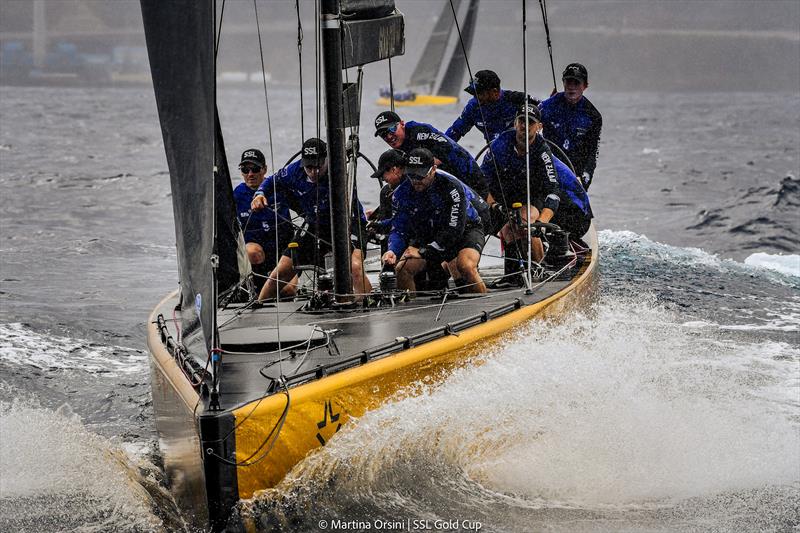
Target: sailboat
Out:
[243,392]
[441,81]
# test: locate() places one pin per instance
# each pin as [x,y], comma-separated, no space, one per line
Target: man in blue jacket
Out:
[450,157]
[573,123]
[305,186]
[491,109]
[556,194]
[437,218]
[265,234]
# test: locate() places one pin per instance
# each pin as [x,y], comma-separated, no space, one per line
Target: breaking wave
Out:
[20,345]
[58,476]
[630,418]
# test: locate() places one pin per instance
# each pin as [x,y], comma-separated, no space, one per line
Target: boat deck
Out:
[315,344]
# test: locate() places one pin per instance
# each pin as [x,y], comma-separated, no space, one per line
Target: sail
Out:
[180,44]
[429,62]
[453,80]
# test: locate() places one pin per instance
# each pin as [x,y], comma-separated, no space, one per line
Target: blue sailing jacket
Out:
[455,159]
[436,217]
[575,129]
[491,119]
[306,198]
[258,226]
[552,183]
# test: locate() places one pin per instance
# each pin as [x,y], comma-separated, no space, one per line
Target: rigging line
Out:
[460,39]
[219,31]
[499,180]
[528,279]
[355,211]
[391,87]
[300,66]
[318,126]
[543,6]
[264,79]
[274,181]
[276,429]
[266,394]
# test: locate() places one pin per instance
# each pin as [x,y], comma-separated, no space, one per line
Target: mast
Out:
[340,221]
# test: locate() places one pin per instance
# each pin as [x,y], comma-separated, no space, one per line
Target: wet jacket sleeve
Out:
[267,188]
[401,225]
[463,123]
[592,143]
[489,169]
[455,218]
[549,178]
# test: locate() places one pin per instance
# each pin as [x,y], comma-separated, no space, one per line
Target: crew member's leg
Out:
[467,261]
[467,265]
[361,283]
[407,267]
[282,275]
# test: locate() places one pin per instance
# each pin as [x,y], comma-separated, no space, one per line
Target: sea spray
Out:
[606,417]
[58,475]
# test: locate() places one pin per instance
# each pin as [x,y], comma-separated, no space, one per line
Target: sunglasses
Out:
[390,130]
[413,176]
[250,169]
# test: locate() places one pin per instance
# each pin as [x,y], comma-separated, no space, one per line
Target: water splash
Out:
[59,476]
[788,265]
[602,418]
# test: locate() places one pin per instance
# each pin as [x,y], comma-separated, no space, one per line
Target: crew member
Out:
[556,194]
[451,157]
[573,123]
[437,218]
[491,109]
[391,168]
[305,185]
[262,241]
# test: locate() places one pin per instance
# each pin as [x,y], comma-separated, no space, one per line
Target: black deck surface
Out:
[313,342]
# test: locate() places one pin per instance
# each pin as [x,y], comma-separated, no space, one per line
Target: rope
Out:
[272,163]
[219,32]
[543,6]
[300,66]
[264,80]
[528,279]
[483,117]
[391,86]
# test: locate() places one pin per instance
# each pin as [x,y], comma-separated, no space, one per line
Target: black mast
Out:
[340,211]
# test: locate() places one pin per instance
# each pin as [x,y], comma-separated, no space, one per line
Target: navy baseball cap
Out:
[389,158]
[533,112]
[420,161]
[484,80]
[384,121]
[314,152]
[576,71]
[253,155]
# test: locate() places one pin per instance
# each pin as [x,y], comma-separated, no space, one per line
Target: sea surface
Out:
[673,406]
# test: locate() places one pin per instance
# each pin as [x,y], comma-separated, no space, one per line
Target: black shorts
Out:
[572,220]
[311,250]
[473,237]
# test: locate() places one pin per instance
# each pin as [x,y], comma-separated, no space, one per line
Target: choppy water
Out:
[674,407]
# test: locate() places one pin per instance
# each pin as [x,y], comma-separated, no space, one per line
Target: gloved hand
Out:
[499,210]
[586,180]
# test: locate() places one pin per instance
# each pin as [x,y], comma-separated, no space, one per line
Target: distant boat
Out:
[440,85]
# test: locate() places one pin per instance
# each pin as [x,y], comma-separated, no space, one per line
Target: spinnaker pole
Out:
[340,211]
